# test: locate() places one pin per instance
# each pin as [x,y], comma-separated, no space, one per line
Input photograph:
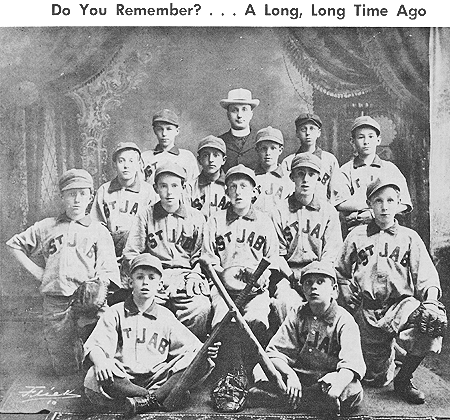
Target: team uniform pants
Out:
[192,311]
[378,330]
[64,334]
[284,299]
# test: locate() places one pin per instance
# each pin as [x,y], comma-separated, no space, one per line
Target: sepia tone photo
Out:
[199,222]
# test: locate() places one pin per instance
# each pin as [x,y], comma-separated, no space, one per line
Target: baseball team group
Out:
[137,276]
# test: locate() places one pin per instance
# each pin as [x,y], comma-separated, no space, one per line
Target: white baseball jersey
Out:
[387,265]
[183,157]
[74,251]
[232,240]
[272,188]
[358,176]
[175,238]
[332,185]
[208,197]
[307,233]
[319,344]
[152,342]
[117,207]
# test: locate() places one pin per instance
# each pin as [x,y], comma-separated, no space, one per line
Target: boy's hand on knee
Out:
[352,298]
[196,284]
[213,350]
[294,390]
[334,383]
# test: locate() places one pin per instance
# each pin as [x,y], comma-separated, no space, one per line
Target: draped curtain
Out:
[346,62]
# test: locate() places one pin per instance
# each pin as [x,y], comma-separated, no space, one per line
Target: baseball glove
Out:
[89,297]
[235,278]
[230,392]
[430,318]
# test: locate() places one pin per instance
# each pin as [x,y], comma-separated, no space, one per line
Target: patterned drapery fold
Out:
[346,62]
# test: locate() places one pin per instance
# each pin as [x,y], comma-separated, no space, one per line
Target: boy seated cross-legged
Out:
[138,348]
[317,351]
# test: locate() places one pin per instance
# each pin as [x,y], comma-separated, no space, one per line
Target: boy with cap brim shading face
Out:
[207,192]
[240,139]
[332,187]
[75,249]
[308,229]
[240,237]
[273,184]
[317,350]
[385,274]
[138,348]
[166,128]
[117,202]
[364,168]
[173,232]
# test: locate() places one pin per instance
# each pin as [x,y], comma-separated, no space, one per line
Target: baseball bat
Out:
[189,375]
[266,364]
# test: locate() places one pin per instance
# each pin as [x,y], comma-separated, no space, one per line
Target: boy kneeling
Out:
[317,347]
[138,348]
[386,274]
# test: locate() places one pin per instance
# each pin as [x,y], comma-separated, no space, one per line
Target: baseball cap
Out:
[172,168]
[212,142]
[318,267]
[239,96]
[366,120]
[380,183]
[146,260]
[271,134]
[167,116]
[126,145]
[306,160]
[241,170]
[306,117]
[75,178]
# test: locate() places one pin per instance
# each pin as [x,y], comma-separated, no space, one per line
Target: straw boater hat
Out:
[239,96]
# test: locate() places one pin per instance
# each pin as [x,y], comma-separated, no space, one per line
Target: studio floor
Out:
[24,370]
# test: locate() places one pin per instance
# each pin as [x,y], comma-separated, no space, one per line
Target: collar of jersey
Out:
[373,228]
[232,216]
[85,221]
[318,152]
[278,172]
[358,162]
[160,213]
[329,316]
[203,180]
[131,308]
[295,205]
[114,185]
[174,150]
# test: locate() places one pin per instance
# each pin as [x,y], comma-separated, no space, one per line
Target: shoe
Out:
[139,405]
[258,397]
[409,392]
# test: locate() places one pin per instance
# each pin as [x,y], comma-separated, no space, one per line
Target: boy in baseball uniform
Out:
[207,192]
[166,126]
[364,168]
[237,239]
[117,202]
[173,232]
[240,138]
[138,348]
[386,277]
[75,249]
[332,187]
[273,184]
[308,230]
[317,350]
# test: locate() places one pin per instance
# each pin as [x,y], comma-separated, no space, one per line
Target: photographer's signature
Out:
[36,392]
